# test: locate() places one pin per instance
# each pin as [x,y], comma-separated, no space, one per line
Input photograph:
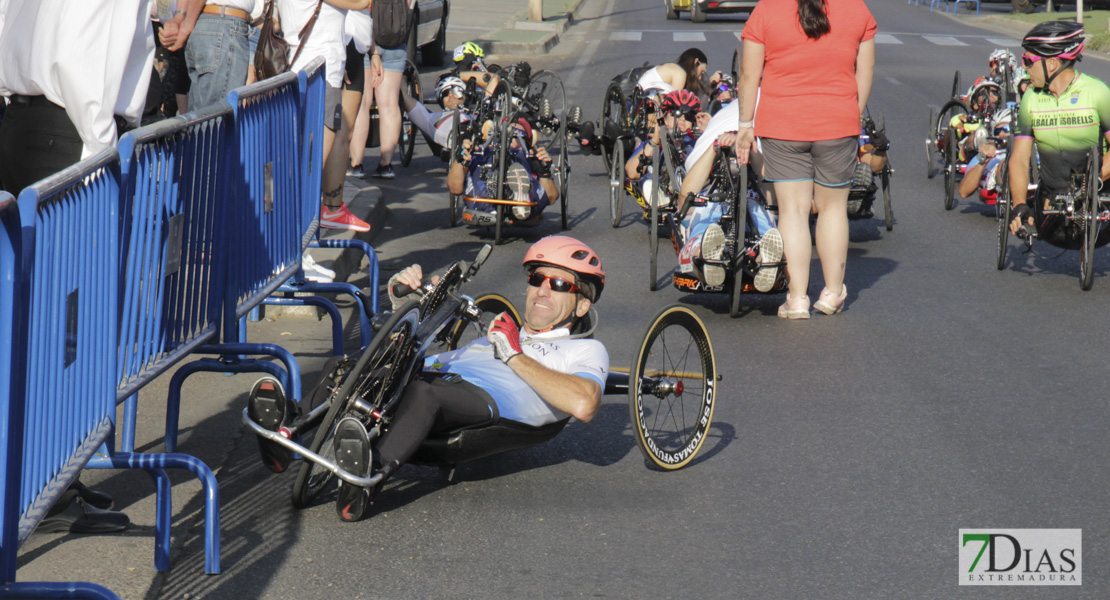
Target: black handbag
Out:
[272,56]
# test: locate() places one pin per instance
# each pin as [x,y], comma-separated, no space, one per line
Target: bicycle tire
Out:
[950,154]
[1002,213]
[612,102]
[564,177]
[408,128]
[656,190]
[884,178]
[491,305]
[454,201]
[616,185]
[547,84]
[389,343]
[740,207]
[956,85]
[662,369]
[931,144]
[502,157]
[1090,222]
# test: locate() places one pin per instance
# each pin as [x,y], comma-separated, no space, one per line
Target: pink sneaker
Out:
[341,218]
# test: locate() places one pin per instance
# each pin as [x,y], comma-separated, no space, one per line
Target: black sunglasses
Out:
[556,284]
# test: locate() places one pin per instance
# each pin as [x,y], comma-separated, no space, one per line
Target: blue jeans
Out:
[218,55]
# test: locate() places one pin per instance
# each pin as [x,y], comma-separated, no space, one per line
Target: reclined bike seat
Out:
[472,443]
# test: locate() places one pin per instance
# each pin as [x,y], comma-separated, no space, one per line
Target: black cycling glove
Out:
[541,168]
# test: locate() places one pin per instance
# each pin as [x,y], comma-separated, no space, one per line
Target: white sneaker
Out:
[770,251]
[712,248]
[314,272]
[516,177]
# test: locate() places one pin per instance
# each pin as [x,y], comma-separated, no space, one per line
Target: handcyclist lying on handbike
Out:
[536,374]
[982,170]
[451,94]
[984,100]
[1063,131]
[681,112]
[873,147]
[528,173]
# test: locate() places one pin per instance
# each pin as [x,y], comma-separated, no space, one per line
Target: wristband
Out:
[747,123]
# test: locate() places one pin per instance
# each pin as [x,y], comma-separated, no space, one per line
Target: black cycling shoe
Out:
[269,407]
[92,497]
[352,454]
[72,514]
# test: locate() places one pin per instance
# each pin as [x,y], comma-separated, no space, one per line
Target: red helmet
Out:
[683,101]
[568,253]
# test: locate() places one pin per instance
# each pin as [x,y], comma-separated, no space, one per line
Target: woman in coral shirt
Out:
[812,62]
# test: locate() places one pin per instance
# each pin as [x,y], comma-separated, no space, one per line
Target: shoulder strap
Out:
[305,32]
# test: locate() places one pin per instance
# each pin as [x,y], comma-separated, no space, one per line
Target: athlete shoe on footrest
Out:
[269,407]
[352,454]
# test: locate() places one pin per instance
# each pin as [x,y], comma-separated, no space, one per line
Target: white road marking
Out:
[886,38]
[625,36]
[893,80]
[1004,42]
[689,36]
[944,40]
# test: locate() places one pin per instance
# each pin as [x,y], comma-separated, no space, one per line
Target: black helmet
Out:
[1055,39]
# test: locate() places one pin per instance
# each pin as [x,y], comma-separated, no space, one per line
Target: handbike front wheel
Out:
[491,305]
[1090,224]
[1002,213]
[372,379]
[671,389]
[408,128]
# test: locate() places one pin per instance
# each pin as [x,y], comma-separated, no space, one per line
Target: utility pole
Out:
[535,10]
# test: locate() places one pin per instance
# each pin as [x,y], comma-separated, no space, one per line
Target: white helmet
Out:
[448,85]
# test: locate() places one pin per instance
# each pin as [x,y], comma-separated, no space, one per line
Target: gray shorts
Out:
[831,163]
[333,108]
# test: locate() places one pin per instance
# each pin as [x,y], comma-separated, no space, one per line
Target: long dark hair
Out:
[687,60]
[813,17]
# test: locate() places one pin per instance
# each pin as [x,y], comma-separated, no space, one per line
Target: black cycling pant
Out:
[433,403]
[37,140]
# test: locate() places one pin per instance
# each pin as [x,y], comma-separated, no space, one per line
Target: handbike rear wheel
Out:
[931,144]
[408,128]
[1002,213]
[671,389]
[616,184]
[1090,224]
[373,379]
[614,115]
[951,154]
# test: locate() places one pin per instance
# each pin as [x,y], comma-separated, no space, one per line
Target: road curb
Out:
[549,32]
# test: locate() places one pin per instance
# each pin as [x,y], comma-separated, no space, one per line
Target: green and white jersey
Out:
[1064,127]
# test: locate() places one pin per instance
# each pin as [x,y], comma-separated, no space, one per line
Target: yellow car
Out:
[699,8]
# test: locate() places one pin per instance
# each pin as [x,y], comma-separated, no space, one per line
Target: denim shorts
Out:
[218,56]
[394,59]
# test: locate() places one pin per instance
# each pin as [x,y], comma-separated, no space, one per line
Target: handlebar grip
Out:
[401,290]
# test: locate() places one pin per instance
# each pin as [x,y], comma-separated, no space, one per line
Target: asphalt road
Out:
[846,452]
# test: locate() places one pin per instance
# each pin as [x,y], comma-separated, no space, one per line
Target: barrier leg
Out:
[154,462]
[290,378]
[54,589]
[371,270]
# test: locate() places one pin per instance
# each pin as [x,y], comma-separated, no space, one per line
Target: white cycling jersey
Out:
[516,400]
[436,125]
[651,80]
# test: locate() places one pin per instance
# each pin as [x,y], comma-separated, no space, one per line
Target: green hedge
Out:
[1094,22]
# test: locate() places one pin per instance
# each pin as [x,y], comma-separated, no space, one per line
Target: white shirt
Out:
[516,400]
[92,57]
[325,39]
[359,27]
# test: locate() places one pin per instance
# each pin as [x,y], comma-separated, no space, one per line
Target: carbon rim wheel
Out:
[656,191]
[1090,223]
[373,379]
[612,112]
[950,168]
[931,144]
[491,305]
[616,185]
[671,390]
[740,208]
[408,128]
[454,202]
[885,179]
[547,85]
[1002,213]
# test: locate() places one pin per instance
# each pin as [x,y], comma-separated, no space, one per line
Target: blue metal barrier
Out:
[57,260]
